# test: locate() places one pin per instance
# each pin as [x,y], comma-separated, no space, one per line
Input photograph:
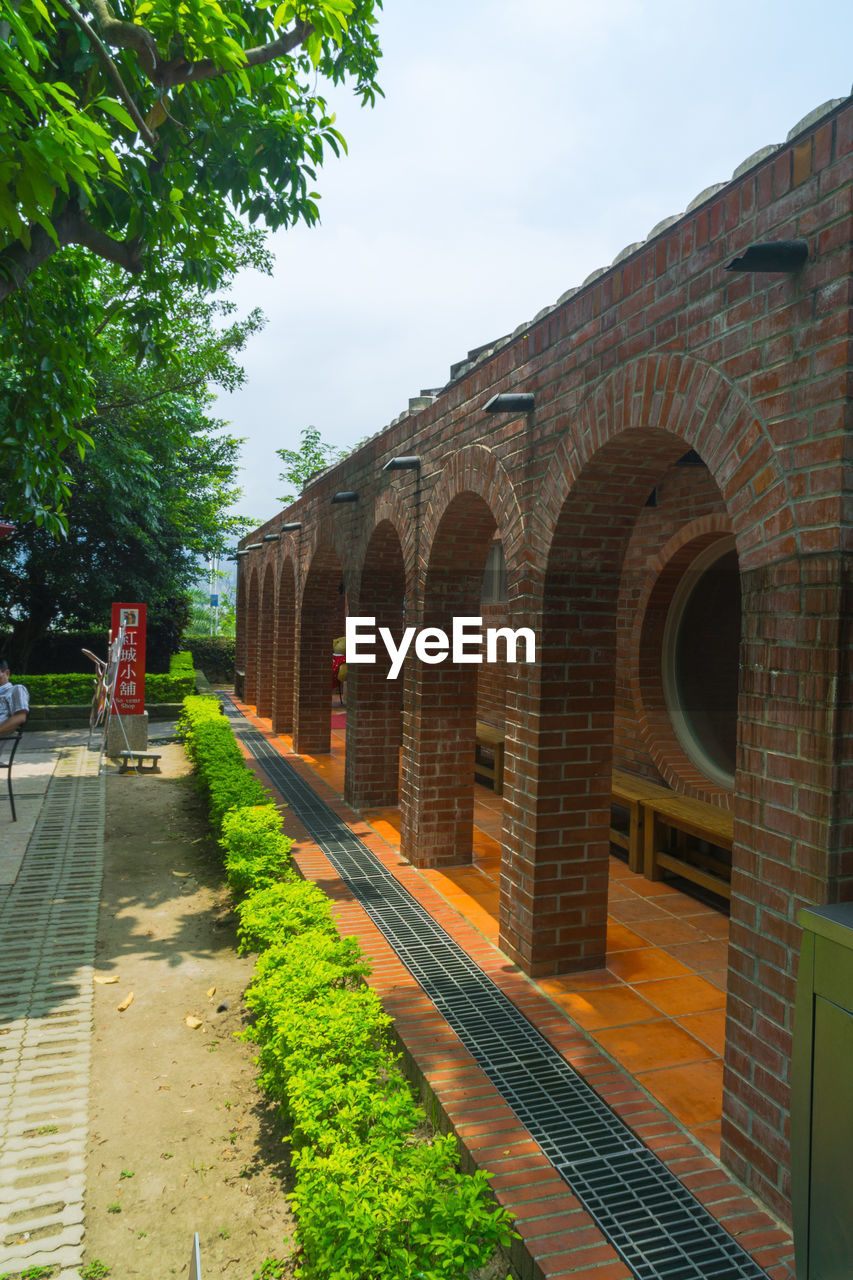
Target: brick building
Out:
[672,518]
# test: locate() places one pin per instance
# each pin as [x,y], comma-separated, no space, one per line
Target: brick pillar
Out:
[374,732]
[557,785]
[282,713]
[266,644]
[792,840]
[319,621]
[375,703]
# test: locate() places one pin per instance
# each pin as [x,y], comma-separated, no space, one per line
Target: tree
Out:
[151,128]
[301,464]
[77,327]
[147,501]
[147,135]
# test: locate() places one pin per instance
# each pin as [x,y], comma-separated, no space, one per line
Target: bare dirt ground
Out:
[180,1139]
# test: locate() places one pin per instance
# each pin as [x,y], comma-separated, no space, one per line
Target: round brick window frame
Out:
[666,573]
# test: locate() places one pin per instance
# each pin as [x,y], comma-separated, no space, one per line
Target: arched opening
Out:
[555,904]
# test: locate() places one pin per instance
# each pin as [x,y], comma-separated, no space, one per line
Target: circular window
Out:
[700,661]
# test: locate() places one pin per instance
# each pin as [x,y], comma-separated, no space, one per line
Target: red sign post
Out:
[129,696]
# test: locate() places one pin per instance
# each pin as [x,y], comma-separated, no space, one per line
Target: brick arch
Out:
[375,703]
[320,619]
[325,537]
[266,640]
[472,500]
[693,404]
[397,509]
[250,690]
[664,572]
[475,472]
[285,645]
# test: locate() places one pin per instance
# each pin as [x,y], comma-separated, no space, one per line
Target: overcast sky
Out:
[519,146]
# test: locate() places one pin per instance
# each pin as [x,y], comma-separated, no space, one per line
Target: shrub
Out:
[215,656]
[256,850]
[278,911]
[220,766]
[76,689]
[181,664]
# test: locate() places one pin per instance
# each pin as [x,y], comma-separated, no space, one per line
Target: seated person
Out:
[14,702]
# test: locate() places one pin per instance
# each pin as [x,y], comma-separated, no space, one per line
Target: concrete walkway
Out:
[51,867]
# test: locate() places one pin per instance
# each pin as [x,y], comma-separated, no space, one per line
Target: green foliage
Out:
[303,463]
[374,1202]
[280,910]
[77,689]
[220,767]
[182,664]
[150,140]
[256,850]
[145,494]
[272,1269]
[160,132]
[95,1270]
[214,655]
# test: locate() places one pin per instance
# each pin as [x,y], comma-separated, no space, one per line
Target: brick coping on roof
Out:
[559,1239]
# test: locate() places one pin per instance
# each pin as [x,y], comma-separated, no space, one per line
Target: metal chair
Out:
[15,739]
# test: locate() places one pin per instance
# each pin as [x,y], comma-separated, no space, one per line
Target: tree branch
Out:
[131,35]
[182,72]
[17,263]
[112,71]
[128,35]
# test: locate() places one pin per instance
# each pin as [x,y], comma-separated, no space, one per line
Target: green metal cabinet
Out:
[822,1097]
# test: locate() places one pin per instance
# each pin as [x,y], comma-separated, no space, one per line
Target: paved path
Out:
[51,866]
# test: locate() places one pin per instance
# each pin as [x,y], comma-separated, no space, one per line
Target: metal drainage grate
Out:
[657,1226]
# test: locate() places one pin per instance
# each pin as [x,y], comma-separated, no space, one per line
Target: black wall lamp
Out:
[253,546]
[772,255]
[346,495]
[510,402]
[241,551]
[402,464]
[291,526]
[270,537]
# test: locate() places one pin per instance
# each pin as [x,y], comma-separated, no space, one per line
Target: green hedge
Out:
[214,655]
[373,1201]
[77,689]
[182,664]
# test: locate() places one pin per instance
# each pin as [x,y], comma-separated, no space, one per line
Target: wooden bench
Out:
[629,792]
[492,738]
[681,816]
[137,759]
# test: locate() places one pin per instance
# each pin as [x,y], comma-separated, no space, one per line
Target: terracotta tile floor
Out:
[658,1008]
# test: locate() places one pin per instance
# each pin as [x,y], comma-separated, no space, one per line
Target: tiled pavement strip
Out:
[561,1239]
[49,894]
